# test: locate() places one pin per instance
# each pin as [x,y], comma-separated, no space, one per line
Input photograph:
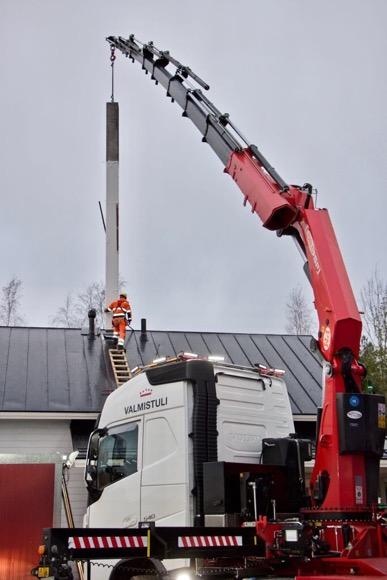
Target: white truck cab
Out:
[145,460]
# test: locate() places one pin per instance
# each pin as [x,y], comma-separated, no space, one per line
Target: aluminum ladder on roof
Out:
[120,366]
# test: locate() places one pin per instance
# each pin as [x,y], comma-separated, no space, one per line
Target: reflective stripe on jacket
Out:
[120,308]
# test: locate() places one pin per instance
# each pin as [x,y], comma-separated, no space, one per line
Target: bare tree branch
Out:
[299,316]
[92,297]
[67,315]
[10,303]
[73,314]
[374,342]
[374,302]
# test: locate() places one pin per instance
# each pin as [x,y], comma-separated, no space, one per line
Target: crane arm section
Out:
[288,210]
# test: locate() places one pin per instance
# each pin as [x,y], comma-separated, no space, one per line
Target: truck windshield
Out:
[117,454]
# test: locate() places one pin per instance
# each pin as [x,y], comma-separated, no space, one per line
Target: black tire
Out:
[128,570]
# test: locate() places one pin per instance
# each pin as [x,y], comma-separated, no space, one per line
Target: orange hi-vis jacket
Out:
[120,308]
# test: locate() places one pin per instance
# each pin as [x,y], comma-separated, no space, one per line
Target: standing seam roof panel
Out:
[37,392]
[196,342]
[234,350]
[77,371]
[99,381]
[58,379]
[133,354]
[215,347]
[179,342]
[4,355]
[16,379]
[250,350]
[162,343]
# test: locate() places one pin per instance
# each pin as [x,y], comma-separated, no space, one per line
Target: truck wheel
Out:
[129,569]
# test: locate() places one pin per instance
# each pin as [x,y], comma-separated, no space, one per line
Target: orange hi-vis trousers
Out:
[119,329]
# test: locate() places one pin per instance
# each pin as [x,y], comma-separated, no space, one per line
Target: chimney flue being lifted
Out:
[112,206]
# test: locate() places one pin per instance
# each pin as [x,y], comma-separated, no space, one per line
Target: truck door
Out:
[117,477]
[165,491]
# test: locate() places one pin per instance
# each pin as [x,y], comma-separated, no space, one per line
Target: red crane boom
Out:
[339,479]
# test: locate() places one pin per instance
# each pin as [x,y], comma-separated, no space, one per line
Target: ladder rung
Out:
[120,366]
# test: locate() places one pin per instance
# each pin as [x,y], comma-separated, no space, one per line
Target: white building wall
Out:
[35,436]
[25,437]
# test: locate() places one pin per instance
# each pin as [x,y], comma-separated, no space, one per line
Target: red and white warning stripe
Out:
[107,542]
[209,541]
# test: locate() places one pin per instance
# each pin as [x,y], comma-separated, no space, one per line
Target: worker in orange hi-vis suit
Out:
[122,315]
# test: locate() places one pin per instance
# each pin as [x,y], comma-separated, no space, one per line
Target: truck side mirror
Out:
[92,457]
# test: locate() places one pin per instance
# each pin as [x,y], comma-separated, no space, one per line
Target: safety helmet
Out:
[123,295]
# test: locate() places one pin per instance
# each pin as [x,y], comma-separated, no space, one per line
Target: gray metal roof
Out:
[61,370]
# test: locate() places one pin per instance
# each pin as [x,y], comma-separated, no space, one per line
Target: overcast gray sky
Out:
[305,80]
